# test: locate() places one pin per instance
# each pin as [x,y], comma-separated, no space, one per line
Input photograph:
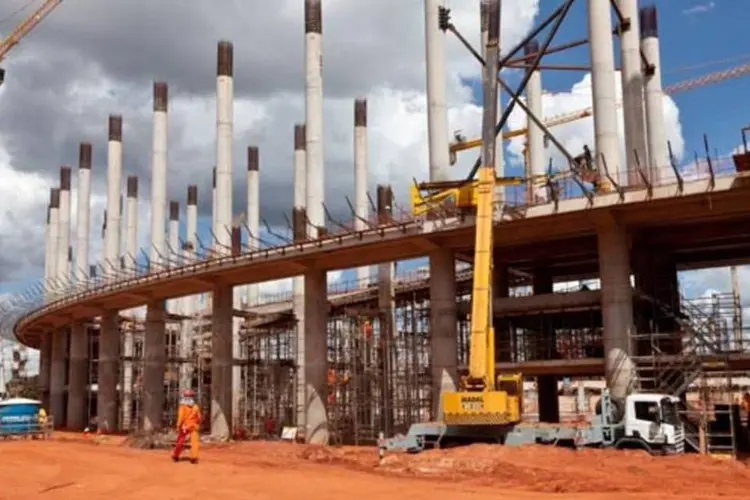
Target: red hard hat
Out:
[188,393]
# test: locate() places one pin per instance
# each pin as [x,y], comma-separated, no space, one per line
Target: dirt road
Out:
[75,470]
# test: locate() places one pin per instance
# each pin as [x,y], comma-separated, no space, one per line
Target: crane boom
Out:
[26,26]
[682,86]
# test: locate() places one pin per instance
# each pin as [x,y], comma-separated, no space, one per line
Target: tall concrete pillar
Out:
[253,206]
[443,331]
[77,377]
[159,174]
[45,362]
[54,231]
[173,250]
[190,303]
[63,236]
[315,168]
[109,372]
[535,135]
[316,357]
[57,377]
[83,210]
[299,222]
[632,93]
[386,308]
[617,306]
[603,90]
[154,367]
[48,248]
[214,209]
[224,135]
[499,142]
[131,221]
[221,363]
[128,353]
[114,176]
[658,153]
[360,178]
[437,109]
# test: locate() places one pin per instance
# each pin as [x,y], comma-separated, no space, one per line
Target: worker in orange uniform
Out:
[188,424]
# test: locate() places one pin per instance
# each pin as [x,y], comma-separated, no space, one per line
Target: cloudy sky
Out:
[91,58]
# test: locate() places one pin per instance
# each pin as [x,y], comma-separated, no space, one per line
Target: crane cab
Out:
[501,405]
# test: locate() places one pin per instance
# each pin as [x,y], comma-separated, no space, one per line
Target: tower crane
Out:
[23,29]
[462,144]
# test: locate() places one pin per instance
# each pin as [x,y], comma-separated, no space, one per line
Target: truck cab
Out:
[652,421]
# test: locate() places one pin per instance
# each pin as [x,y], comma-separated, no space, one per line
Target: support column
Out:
[109,372]
[316,357]
[443,331]
[299,223]
[658,152]
[387,310]
[617,306]
[57,377]
[549,402]
[221,363]
[154,367]
[45,361]
[77,373]
[126,423]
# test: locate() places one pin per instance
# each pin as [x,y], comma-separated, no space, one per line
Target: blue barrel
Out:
[19,416]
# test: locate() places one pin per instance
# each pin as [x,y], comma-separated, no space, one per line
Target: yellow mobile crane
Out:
[23,29]
[487,407]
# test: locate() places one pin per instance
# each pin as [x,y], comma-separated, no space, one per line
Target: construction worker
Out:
[188,424]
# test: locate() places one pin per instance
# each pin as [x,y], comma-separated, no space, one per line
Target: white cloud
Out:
[700,8]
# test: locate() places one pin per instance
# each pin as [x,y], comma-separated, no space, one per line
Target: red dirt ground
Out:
[69,468]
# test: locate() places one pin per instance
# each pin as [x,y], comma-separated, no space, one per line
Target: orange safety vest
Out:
[189,417]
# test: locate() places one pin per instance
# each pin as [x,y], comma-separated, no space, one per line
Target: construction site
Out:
[580,258]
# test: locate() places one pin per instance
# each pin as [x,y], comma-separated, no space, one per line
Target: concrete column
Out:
[658,153]
[499,142]
[131,228]
[114,175]
[109,372]
[443,342]
[535,135]
[48,256]
[387,307]
[224,134]
[315,168]
[45,361]
[83,210]
[617,306]
[54,232]
[159,173]
[300,234]
[77,377]
[173,251]
[221,363]
[63,236]
[360,177]
[190,307]
[603,89]
[57,377]
[549,402]
[632,93]
[154,367]
[128,352]
[316,357]
[437,109]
